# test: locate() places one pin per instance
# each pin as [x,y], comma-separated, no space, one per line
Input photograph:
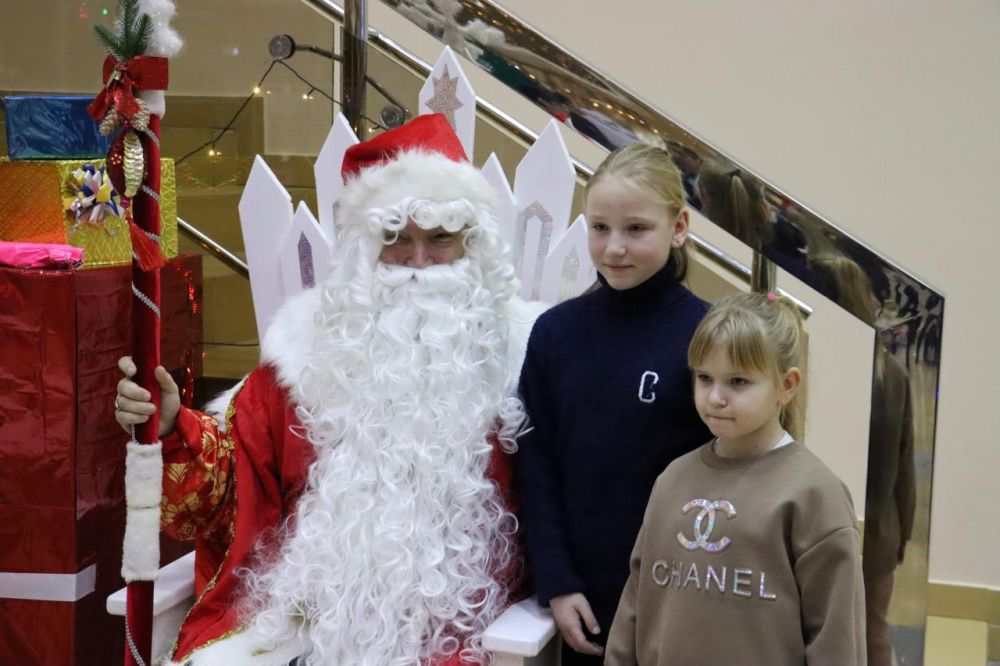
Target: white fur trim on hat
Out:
[413,175]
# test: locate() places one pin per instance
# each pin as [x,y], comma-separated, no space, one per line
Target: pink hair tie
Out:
[771,296]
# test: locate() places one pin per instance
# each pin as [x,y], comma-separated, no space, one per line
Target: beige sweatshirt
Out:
[744,562]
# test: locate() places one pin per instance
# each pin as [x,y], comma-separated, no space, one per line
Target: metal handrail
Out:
[737,269]
[214,248]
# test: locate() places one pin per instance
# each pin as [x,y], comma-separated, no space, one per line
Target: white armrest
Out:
[173,596]
[174,585]
[521,635]
[524,630]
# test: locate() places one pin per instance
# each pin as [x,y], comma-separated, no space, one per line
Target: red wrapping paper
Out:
[62,455]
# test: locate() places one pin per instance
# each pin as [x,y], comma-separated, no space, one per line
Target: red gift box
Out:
[62,455]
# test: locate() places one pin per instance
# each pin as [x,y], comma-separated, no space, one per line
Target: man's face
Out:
[419,248]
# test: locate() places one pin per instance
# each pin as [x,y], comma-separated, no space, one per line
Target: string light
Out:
[210,144]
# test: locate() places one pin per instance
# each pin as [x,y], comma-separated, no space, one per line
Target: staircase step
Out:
[199,171]
[215,113]
[293,170]
[214,213]
[230,362]
[229,309]
[177,142]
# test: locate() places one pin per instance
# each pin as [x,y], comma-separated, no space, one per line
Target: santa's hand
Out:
[133,406]
[572,613]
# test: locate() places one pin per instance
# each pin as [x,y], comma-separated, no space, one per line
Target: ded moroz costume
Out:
[349,506]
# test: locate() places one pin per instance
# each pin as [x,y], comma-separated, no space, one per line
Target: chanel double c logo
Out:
[703,531]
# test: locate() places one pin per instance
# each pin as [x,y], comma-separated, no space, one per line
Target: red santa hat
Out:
[430,133]
[422,159]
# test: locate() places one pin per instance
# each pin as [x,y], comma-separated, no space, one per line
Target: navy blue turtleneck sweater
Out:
[607,389]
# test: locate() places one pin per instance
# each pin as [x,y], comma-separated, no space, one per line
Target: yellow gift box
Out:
[33,195]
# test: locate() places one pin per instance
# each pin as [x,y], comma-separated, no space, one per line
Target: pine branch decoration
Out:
[125,17]
[132,32]
[109,40]
[139,37]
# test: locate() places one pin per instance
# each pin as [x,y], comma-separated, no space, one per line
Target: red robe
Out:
[210,478]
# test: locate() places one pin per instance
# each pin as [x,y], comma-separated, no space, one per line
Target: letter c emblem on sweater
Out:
[646,384]
[703,532]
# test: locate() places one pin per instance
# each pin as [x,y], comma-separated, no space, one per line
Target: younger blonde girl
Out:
[749,551]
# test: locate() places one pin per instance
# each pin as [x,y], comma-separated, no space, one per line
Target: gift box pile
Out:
[62,507]
[62,455]
[48,200]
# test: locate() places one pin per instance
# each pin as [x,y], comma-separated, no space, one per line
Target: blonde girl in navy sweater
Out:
[608,396]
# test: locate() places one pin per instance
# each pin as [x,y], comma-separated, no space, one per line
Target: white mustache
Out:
[434,278]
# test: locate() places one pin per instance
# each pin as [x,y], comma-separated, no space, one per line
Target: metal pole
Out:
[355,63]
[335,48]
[762,273]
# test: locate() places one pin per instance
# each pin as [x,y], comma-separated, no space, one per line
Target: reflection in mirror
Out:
[891,485]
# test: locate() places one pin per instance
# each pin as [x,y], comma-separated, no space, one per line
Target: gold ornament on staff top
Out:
[113,120]
[134,165]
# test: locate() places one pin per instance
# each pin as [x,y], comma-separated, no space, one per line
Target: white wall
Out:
[884,117]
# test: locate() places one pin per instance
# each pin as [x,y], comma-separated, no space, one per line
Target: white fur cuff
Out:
[143,489]
[143,475]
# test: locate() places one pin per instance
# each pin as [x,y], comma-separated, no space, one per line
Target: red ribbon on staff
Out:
[123,79]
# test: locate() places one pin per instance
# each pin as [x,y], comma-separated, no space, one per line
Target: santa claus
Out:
[349,504]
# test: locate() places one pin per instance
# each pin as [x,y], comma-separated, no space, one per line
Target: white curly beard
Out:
[399,536]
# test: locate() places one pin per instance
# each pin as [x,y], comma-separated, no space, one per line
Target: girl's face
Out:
[741,407]
[630,235]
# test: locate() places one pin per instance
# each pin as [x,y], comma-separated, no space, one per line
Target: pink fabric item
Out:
[39,255]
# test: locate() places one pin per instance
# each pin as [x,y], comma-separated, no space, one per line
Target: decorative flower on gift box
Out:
[92,198]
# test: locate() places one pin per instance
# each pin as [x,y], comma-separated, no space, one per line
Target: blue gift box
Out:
[52,127]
